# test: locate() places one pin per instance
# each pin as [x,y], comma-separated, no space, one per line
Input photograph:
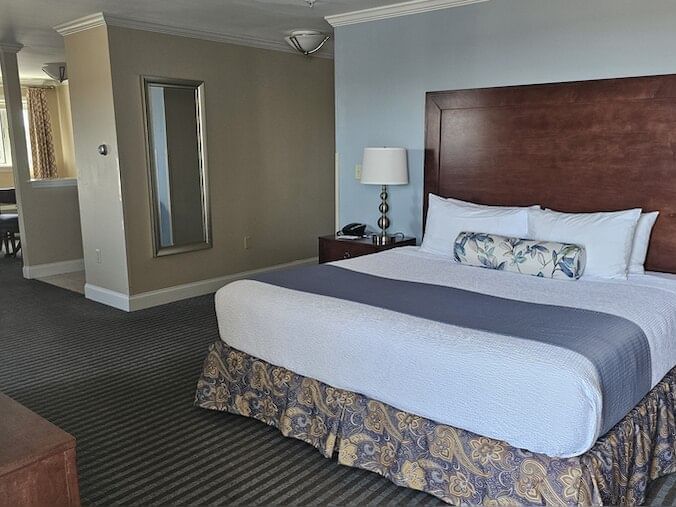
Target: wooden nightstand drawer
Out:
[332,248]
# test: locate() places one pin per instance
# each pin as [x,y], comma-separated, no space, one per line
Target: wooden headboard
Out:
[576,147]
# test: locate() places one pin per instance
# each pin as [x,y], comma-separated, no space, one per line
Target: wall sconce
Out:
[307,41]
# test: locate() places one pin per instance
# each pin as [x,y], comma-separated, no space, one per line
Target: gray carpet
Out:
[123,385]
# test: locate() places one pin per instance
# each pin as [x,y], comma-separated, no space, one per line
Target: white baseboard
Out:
[107,297]
[54,268]
[177,292]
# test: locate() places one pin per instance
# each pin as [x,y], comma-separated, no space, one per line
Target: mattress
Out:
[532,394]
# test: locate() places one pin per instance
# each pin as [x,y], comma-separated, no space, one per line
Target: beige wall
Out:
[6,178]
[52,220]
[67,168]
[93,116]
[270,150]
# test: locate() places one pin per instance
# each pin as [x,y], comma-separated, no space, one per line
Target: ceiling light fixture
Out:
[56,71]
[307,41]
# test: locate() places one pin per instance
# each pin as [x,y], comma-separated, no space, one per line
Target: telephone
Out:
[353,229]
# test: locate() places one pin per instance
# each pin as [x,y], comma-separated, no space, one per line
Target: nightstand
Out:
[332,248]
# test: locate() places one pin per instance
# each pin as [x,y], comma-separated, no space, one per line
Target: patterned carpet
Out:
[123,385]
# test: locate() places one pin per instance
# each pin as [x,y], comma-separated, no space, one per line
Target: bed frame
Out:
[576,147]
[588,146]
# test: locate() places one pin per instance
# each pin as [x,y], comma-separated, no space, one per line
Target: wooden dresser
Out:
[37,460]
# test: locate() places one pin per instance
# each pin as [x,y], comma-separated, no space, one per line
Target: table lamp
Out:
[384,166]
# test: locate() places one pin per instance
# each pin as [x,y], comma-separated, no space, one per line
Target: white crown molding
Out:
[395,10]
[100,19]
[10,47]
[81,24]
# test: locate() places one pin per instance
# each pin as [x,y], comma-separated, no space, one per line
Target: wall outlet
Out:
[98,256]
[357,172]
[247,242]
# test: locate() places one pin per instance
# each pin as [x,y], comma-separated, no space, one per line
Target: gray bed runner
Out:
[616,346]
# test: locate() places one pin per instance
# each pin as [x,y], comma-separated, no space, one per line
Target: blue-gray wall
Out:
[384,68]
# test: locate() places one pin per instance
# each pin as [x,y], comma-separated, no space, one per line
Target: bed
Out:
[361,359]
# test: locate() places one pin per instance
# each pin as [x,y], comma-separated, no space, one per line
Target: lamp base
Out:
[380,239]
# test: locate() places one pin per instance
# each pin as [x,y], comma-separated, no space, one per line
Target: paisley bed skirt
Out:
[460,467]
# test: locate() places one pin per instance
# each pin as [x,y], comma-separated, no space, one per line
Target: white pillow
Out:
[641,239]
[446,219]
[474,205]
[607,237]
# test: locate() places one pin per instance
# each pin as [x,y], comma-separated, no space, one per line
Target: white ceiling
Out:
[31,22]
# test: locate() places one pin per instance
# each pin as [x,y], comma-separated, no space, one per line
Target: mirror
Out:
[174,122]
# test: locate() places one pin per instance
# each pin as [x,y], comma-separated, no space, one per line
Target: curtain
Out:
[42,143]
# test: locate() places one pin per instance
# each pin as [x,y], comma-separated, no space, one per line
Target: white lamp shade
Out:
[384,166]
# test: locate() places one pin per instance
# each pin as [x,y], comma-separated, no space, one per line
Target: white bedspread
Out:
[533,395]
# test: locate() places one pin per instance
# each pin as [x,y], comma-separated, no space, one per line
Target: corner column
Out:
[9,71]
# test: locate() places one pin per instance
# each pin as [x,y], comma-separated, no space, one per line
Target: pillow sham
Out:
[641,240]
[607,237]
[469,204]
[445,220]
[545,259]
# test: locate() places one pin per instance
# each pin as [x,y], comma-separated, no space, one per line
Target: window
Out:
[5,147]
[5,158]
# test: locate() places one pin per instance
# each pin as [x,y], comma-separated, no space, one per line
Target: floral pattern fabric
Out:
[40,131]
[546,259]
[458,466]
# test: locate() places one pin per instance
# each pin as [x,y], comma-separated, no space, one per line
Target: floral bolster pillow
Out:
[547,259]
